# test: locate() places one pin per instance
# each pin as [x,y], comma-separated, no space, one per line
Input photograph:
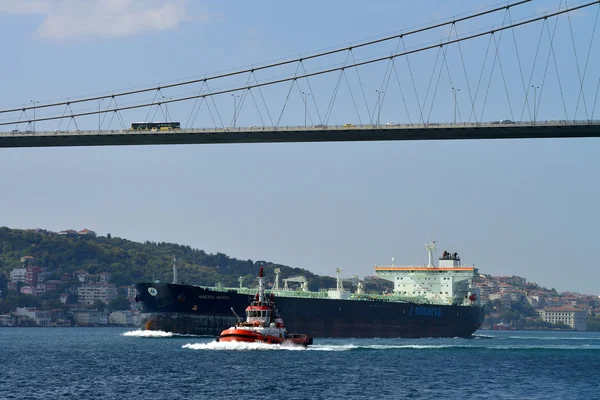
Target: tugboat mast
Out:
[261,286]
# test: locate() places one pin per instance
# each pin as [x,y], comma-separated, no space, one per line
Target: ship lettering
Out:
[428,311]
[210,297]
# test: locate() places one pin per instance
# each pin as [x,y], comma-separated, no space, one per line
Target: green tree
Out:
[120,303]
[98,305]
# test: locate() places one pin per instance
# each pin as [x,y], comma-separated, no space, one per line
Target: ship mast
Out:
[276,284]
[174,269]
[261,286]
[340,285]
[430,248]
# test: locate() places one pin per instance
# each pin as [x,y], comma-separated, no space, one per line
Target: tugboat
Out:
[263,323]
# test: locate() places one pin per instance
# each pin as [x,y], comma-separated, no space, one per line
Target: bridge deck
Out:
[302,134]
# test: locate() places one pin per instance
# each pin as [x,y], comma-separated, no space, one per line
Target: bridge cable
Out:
[312,94]
[537,107]
[198,99]
[212,117]
[105,114]
[443,50]
[388,77]
[512,116]
[280,63]
[519,63]
[150,108]
[437,83]
[361,86]
[487,50]
[551,53]
[304,101]
[430,82]
[321,72]
[332,100]
[21,116]
[413,80]
[238,108]
[487,92]
[335,91]
[595,99]
[118,113]
[402,92]
[288,95]
[448,72]
[262,122]
[215,106]
[391,68]
[381,92]
[562,96]
[577,64]
[353,101]
[526,103]
[464,70]
[586,63]
[72,118]
[263,99]
[195,112]
[60,120]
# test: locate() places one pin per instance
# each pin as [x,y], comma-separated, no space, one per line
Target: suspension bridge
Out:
[489,74]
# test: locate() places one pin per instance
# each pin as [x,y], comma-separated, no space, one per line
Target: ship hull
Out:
[185,309]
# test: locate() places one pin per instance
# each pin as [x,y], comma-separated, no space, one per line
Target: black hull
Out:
[194,310]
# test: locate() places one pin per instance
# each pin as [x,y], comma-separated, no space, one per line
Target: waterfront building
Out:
[575,318]
[88,294]
[87,318]
[125,318]
[41,318]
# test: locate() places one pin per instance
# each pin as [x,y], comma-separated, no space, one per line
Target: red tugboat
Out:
[263,323]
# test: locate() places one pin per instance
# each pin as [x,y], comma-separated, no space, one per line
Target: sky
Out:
[510,207]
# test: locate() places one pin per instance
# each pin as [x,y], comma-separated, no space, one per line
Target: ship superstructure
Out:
[448,283]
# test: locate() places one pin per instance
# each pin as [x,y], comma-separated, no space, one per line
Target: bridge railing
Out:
[297,128]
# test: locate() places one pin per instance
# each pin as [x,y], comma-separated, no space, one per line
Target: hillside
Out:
[129,262]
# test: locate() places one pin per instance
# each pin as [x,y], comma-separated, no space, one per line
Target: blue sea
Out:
[118,363]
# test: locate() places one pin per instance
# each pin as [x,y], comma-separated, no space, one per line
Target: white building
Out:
[88,294]
[18,275]
[576,319]
[125,318]
[41,318]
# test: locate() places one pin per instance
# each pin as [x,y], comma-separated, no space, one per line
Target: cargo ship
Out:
[426,301]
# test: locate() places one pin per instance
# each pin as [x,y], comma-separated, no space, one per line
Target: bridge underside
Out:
[290,135]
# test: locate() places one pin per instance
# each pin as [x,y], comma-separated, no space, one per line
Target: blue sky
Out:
[524,207]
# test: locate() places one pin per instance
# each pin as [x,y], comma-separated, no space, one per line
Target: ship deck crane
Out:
[301,279]
[354,280]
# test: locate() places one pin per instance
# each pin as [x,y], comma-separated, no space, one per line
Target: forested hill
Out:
[129,262]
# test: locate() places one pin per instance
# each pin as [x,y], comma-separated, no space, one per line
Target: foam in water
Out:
[148,334]
[241,346]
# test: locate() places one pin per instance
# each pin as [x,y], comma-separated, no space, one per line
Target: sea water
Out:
[116,363]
